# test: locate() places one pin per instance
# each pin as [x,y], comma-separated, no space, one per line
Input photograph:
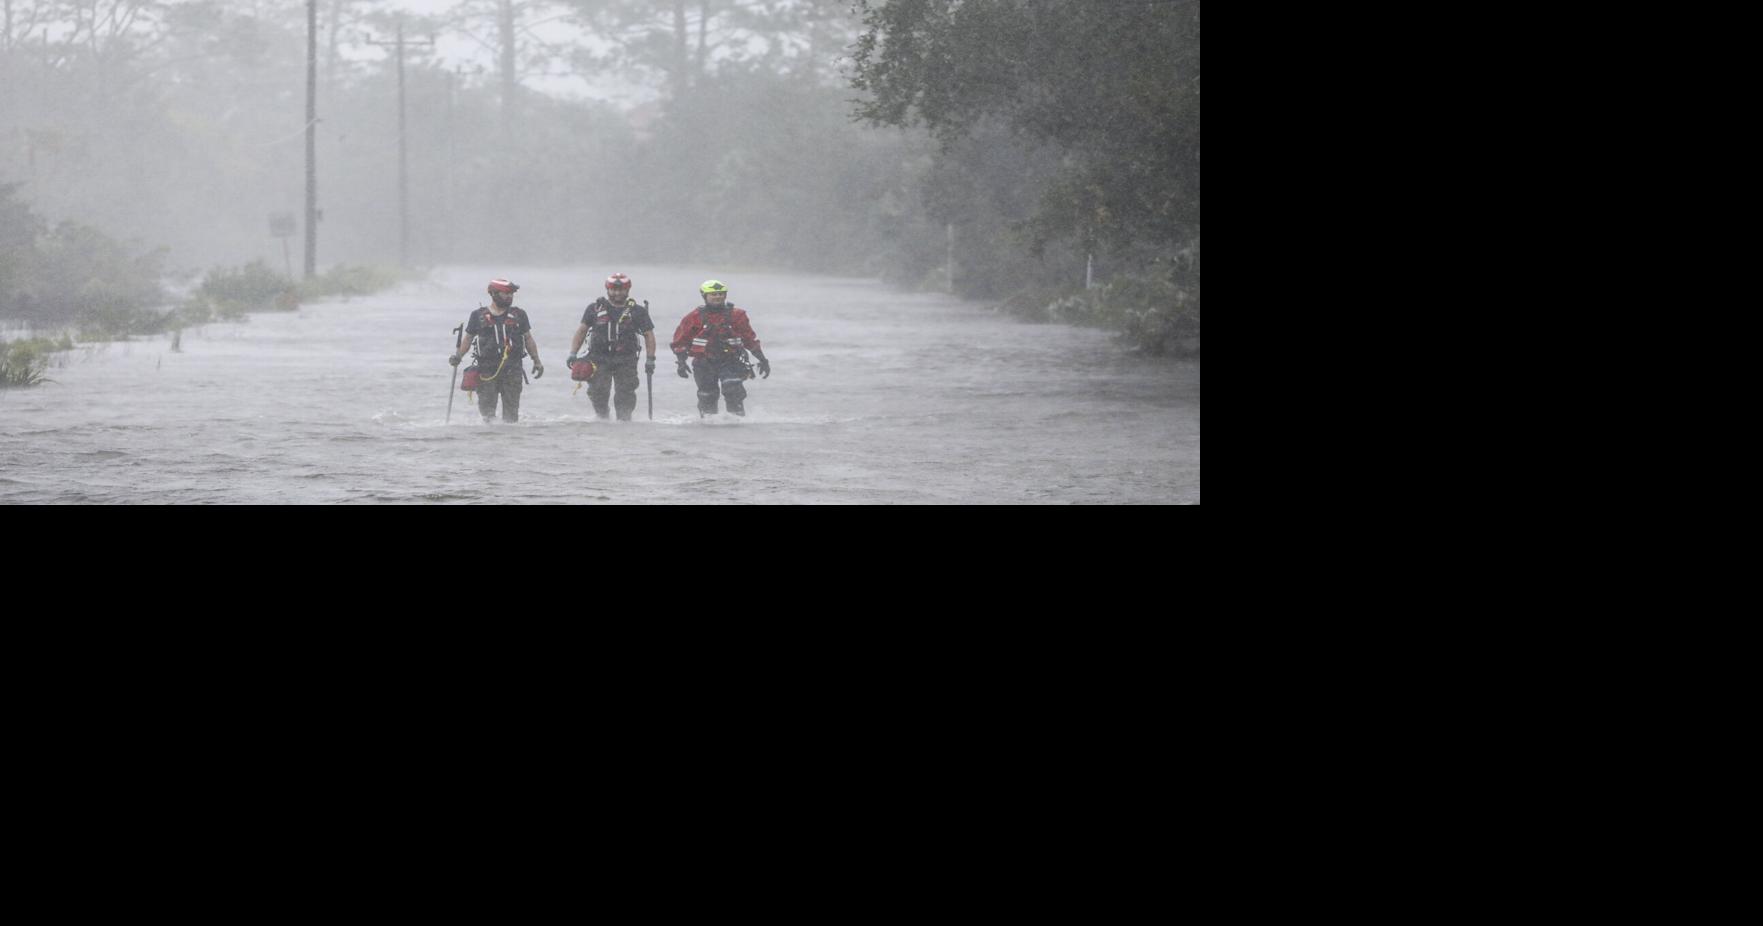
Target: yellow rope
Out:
[506,348]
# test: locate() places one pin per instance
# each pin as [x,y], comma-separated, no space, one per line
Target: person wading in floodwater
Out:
[500,337]
[717,336]
[610,326]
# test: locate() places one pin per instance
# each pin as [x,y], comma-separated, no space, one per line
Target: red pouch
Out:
[470,383]
[582,370]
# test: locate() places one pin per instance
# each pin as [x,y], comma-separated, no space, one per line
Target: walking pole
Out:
[456,333]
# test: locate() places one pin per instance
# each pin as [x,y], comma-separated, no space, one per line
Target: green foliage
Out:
[23,363]
[105,291]
[1152,314]
[73,275]
[149,119]
[231,292]
[1057,129]
[1065,131]
[1158,313]
[1117,93]
[346,280]
[19,230]
[788,182]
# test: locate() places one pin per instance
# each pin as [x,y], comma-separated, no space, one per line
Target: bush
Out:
[230,293]
[1154,314]
[79,277]
[23,363]
[350,281]
[1158,315]
[73,276]
[117,323]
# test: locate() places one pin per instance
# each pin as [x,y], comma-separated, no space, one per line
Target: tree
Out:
[1115,90]
[19,230]
[682,41]
[504,27]
[71,273]
[654,35]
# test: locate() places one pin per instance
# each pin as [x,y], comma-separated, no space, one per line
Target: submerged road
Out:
[877,397]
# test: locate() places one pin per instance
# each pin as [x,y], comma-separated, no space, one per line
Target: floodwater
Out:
[876,397]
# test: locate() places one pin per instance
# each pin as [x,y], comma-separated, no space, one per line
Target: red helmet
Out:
[618,281]
[504,287]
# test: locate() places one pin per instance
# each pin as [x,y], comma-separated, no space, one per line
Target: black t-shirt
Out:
[491,332]
[614,330]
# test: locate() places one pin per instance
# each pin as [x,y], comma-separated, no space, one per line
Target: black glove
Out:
[649,367]
[764,368]
[571,361]
[683,372]
[453,360]
[538,369]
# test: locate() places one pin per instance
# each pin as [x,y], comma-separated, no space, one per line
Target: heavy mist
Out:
[1031,165]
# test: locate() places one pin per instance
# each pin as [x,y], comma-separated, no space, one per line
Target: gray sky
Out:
[456,50]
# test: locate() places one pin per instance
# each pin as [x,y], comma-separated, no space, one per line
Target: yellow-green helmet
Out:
[712,286]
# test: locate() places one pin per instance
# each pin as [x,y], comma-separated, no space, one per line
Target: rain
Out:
[618,252]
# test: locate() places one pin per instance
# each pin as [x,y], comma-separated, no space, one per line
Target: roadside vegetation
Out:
[1064,135]
[1159,314]
[1039,155]
[231,293]
[76,284]
[26,362]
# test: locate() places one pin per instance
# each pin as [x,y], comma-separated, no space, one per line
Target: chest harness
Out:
[608,326]
[719,338]
[504,336]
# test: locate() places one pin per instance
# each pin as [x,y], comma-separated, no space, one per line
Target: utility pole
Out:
[446,248]
[505,27]
[681,68]
[403,150]
[449,236]
[311,138]
[950,266]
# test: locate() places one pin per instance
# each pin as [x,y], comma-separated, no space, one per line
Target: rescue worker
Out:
[610,326]
[500,336]
[716,336]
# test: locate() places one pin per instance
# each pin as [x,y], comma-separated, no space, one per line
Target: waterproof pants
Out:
[723,374]
[505,387]
[618,370]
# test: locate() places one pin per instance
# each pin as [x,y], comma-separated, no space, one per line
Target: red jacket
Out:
[694,335]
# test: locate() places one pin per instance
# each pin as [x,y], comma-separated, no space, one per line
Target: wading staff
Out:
[650,374]
[456,332]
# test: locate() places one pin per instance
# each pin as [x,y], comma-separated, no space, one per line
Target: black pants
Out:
[617,373]
[726,373]
[507,388]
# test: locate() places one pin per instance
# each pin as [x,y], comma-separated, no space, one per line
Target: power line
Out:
[311,139]
[403,149]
